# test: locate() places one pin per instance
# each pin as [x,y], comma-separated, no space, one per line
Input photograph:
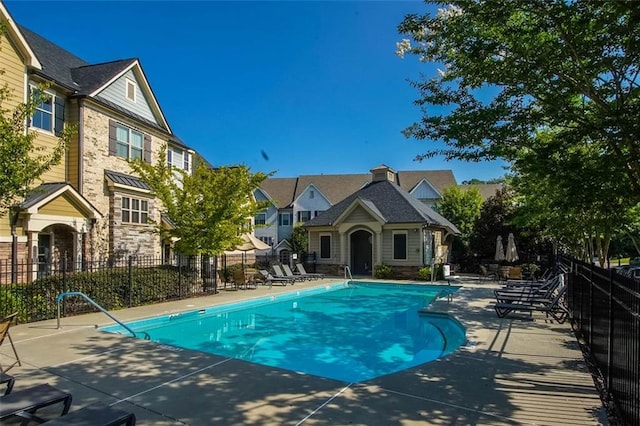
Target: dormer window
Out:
[131,91]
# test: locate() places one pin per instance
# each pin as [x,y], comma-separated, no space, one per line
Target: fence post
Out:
[610,337]
[180,274]
[130,266]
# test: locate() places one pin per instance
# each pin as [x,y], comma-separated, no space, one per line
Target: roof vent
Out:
[382,173]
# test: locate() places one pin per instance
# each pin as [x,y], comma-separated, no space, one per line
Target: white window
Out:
[49,112]
[261,219]
[131,90]
[400,245]
[178,158]
[267,240]
[325,246]
[134,210]
[128,143]
[312,194]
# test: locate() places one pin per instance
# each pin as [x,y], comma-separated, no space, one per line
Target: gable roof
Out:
[487,190]
[45,192]
[392,203]
[85,79]
[55,61]
[279,190]
[337,187]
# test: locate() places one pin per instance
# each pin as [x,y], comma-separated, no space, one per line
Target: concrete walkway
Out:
[511,371]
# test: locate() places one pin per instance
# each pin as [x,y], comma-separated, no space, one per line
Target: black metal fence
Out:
[606,311]
[31,288]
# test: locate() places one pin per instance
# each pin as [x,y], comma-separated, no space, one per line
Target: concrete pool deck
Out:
[511,371]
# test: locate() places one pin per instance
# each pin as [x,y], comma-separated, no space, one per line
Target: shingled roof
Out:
[57,63]
[392,203]
[337,187]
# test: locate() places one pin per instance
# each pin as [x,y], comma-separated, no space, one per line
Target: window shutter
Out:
[299,215]
[280,219]
[112,137]
[58,124]
[147,148]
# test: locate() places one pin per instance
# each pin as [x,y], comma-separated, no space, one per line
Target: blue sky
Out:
[316,86]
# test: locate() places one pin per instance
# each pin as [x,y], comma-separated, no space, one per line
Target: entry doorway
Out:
[361,253]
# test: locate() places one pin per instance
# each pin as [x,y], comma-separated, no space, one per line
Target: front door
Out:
[44,254]
[361,253]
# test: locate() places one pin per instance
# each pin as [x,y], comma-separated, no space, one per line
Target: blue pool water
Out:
[346,332]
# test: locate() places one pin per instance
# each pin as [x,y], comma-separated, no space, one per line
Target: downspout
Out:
[80,144]
[13,219]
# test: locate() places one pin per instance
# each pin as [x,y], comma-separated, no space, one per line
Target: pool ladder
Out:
[347,273]
[100,308]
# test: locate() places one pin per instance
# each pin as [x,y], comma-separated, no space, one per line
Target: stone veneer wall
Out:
[108,233]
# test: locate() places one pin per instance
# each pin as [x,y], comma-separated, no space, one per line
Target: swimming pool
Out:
[350,332]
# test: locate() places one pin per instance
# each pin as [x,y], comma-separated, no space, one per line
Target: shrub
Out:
[424,273]
[383,271]
[440,271]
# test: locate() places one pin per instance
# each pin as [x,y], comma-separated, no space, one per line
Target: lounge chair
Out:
[542,291]
[9,380]
[277,271]
[97,414]
[289,274]
[5,324]
[25,402]
[271,279]
[551,307]
[300,268]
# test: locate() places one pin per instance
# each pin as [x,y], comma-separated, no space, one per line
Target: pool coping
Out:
[511,371]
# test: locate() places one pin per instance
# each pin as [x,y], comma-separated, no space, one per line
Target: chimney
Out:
[382,173]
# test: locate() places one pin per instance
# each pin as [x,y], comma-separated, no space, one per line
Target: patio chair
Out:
[5,324]
[25,402]
[240,279]
[289,274]
[98,414]
[300,268]
[271,279]
[485,274]
[551,307]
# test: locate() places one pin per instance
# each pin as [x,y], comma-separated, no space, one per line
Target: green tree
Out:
[511,67]
[21,161]
[209,208]
[582,222]
[299,239]
[462,208]
[494,219]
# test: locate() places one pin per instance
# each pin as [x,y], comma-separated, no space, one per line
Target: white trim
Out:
[130,83]
[145,88]
[428,184]
[95,214]
[23,46]
[113,185]
[37,222]
[21,239]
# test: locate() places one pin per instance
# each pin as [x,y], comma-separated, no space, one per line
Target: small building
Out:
[379,223]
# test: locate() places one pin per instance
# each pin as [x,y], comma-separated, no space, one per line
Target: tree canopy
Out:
[512,67]
[462,208]
[209,209]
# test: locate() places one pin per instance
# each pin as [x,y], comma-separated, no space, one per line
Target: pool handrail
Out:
[347,270]
[100,308]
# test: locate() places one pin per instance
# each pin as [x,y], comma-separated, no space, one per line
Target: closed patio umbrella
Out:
[512,254]
[499,249]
